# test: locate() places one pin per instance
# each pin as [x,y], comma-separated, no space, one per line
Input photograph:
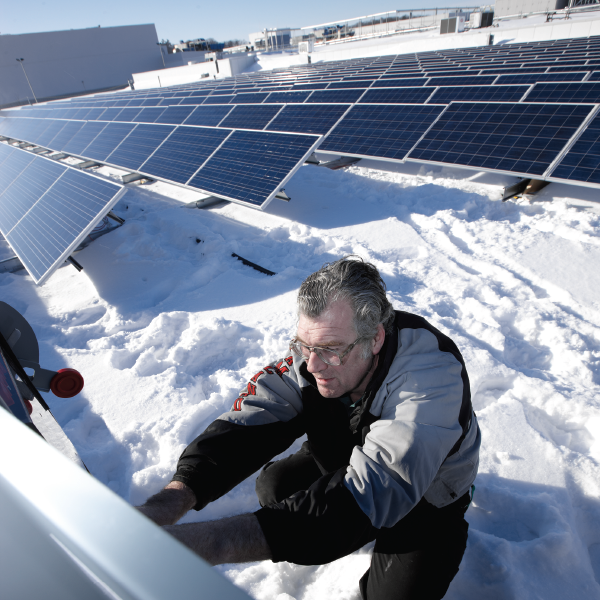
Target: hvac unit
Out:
[452,25]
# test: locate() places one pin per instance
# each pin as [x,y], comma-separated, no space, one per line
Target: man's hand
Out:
[170,504]
[232,540]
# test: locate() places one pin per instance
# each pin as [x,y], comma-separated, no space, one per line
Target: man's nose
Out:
[314,364]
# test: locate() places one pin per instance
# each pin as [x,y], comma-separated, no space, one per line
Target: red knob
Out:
[66,383]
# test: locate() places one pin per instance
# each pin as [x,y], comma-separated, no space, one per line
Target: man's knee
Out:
[266,485]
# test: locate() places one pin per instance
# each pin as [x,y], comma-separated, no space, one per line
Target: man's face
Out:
[334,329]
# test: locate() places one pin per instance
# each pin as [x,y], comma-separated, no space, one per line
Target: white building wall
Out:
[68,62]
[504,8]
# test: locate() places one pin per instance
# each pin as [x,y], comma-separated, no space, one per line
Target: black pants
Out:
[414,560]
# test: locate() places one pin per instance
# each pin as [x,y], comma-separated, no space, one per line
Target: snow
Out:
[166,327]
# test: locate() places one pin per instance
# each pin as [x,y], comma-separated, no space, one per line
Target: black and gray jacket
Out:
[414,435]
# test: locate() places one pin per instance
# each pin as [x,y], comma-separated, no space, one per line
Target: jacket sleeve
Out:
[264,420]
[389,474]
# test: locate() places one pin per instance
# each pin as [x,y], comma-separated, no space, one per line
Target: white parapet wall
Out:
[60,63]
[224,67]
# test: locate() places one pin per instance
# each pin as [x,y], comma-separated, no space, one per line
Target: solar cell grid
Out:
[249,98]
[107,140]
[380,131]
[404,95]
[464,80]
[84,137]
[208,116]
[251,167]
[49,133]
[136,148]
[149,115]
[218,99]
[565,92]
[251,117]
[489,93]
[407,82]
[335,96]
[57,222]
[184,152]
[286,97]
[308,118]
[582,162]
[533,78]
[520,138]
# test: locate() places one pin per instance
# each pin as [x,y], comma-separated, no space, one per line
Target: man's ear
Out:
[378,340]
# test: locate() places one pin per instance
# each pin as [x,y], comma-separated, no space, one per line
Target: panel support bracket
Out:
[205,202]
[86,164]
[281,195]
[58,156]
[111,215]
[516,188]
[131,177]
[75,263]
[340,163]
[312,160]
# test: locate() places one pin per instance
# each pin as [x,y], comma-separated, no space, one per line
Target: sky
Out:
[190,19]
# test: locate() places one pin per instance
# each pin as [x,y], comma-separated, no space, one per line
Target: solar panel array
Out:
[525,109]
[47,208]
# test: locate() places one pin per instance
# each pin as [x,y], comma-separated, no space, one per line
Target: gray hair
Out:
[358,282]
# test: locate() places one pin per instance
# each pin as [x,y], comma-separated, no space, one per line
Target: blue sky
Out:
[188,19]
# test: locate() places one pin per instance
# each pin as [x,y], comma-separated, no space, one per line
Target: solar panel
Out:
[107,140]
[582,162]
[250,117]
[65,134]
[349,84]
[335,96]
[47,209]
[406,82]
[484,93]
[465,80]
[183,153]
[309,86]
[565,92]
[308,118]
[252,166]
[383,131]
[82,139]
[249,98]
[520,138]
[220,99]
[50,132]
[149,115]
[404,95]
[533,78]
[175,115]
[286,97]
[135,149]
[208,116]
[127,115]
[110,114]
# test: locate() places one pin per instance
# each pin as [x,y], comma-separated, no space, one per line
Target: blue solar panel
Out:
[481,93]
[381,131]
[220,99]
[251,166]
[65,135]
[84,137]
[309,86]
[465,80]
[335,96]
[94,114]
[249,98]
[251,117]
[208,116]
[127,115]
[179,157]
[149,115]
[565,92]
[50,133]
[405,82]
[139,145]
[521,138]
[175,115]
[48,208]
[533,78]
[595,76]
[404,95]
[335,85]
[110,114]
[286,97]
[308,118]
[107,140]
[582,161]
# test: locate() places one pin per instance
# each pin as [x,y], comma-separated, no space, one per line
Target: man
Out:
[391,452]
